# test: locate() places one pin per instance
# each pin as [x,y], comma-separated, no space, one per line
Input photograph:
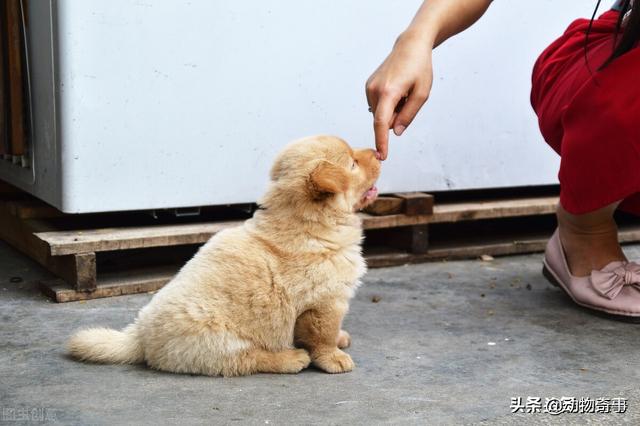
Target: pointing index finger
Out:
[382,123]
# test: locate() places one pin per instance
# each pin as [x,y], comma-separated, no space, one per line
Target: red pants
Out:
[591,117]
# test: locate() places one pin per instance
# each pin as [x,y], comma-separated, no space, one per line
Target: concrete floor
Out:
[447,343]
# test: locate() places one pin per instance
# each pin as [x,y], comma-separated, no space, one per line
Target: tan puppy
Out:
[284,277]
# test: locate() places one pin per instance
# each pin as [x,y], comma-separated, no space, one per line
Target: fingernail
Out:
[378,156]
[398,129]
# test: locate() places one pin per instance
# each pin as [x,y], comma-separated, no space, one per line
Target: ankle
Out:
[587,225]
[590,241]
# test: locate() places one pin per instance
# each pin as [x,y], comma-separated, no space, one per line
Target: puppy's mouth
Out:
[367,198]
[369,195]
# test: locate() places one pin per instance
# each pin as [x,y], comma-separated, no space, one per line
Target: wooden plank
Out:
[385,205]
[16,74]
[392,220]
[413,239]
[4,99]
[61,292]
[455,212]
[78,270]
[33,209]
[25,11]
[500,247]
[116,284]
[418,238]
[140,280]
[19,233]
[409,203]
[416,203]
[109,239]
[629,235]
[396,258]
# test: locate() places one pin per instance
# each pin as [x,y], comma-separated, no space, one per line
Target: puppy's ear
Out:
[327,179]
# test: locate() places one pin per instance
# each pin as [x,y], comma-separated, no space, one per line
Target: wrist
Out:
[419,39]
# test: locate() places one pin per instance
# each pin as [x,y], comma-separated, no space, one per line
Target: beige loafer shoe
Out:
[613,291]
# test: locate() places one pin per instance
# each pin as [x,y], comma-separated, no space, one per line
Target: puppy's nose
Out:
[374,157]
[370,155]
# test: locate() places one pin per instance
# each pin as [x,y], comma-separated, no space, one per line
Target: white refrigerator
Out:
[152,104]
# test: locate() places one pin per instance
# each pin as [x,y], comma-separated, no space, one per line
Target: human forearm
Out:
[438,20]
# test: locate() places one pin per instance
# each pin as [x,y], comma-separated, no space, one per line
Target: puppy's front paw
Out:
[334,362]
[343,340]
[295,361]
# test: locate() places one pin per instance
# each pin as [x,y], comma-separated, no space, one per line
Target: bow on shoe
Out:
[610,283]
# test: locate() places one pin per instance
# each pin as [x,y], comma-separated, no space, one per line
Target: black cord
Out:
[586,38]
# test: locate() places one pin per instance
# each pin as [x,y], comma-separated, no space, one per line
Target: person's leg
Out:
[584,259]
[589,116]
[590,240]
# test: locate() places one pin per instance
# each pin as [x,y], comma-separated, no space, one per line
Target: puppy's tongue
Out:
[371,193]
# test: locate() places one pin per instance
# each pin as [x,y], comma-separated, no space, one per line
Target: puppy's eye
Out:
[354,164]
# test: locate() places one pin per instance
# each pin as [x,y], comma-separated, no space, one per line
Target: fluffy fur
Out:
[268,296]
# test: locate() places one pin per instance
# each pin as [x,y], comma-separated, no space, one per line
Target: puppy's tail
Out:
[107,346]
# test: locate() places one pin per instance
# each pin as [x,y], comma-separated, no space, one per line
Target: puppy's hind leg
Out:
[289,361]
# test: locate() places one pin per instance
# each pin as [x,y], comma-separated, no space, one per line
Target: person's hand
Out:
[398,88]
